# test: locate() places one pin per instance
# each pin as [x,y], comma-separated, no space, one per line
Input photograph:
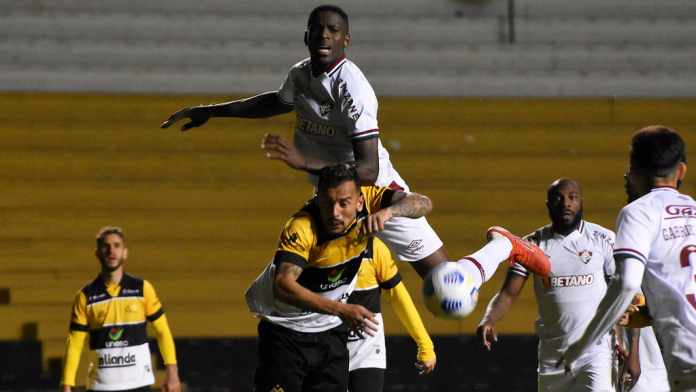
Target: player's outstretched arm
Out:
[402,204]
[288,290]
[619,295]
[408,315]
[498,307]
[259,106]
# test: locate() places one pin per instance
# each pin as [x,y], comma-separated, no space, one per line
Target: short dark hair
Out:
[328,7]
[107,230]
[333,176]
[657,150]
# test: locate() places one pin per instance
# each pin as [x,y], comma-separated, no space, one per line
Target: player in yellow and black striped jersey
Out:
[301,296]
[112,312]
[368,360]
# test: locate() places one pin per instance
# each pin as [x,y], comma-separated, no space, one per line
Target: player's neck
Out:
[319,68]
[112,277]
[565,230]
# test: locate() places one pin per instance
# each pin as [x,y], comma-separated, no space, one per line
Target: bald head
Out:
[564,202]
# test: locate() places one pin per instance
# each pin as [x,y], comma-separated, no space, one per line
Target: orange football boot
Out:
[524,252]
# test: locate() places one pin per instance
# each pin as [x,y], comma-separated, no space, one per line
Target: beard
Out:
[564,225]
[112,268]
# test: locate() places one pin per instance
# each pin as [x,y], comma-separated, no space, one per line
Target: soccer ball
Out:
[450,291]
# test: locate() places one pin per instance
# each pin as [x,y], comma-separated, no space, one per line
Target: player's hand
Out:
[198,114]
[171,380]
[66,388]
[488,335]
[375,222]
[279,148]
[359,318]
[630,372]
[425,367]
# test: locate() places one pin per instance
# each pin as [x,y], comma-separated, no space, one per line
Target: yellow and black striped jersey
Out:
[330,263]
[115,318]
[375,273]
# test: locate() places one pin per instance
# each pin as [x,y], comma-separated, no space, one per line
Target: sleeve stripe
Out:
[78,327]
[283,256]
[368,137]
[151,318]
[631,252]
[391,283]
[369,132]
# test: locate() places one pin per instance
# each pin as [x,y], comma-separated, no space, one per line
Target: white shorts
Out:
[592,377]
[408,239]
[367,351]
[652,380]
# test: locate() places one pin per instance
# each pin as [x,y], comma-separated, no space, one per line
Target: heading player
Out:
[112,311]
[655,247]
[581,264]
[301,296]
[336,110]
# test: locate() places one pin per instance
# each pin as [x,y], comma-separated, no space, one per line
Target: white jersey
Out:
[659,229]
[334,110]
[568,298]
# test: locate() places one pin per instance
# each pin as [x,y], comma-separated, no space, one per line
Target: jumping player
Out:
[655,249]
[336,110]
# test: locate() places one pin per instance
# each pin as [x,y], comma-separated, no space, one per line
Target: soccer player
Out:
[301,296]
[653,375]
[112,311]
[581,263]
[368,359]
[336,112]
[656,250]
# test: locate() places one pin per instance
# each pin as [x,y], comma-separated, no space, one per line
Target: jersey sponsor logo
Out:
[316,129]
[675,232]
[93,298]
[415,246]
[335,275]
[603,236]
[113,361]
[676,211]
[129,291]
[289,240]
[569,281]
[349,106]
[585,256]
[325,108]
[115,335]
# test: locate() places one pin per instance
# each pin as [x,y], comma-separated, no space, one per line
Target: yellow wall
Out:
[202,210]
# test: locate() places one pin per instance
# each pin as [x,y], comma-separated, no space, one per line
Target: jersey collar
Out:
[664,188]
[578,231]
[331,69]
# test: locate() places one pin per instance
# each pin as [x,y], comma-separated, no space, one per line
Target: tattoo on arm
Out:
[410,205]
[290,269]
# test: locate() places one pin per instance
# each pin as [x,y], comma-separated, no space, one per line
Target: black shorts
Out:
[292,361]
[366,380]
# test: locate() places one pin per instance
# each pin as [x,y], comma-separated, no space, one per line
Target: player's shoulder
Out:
[348,77]
[301,224]
[538,235]
[301,66]
[597,231]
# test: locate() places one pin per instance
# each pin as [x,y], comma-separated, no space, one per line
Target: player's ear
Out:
[361,202]
[125,253]
[346,41]
[681,171]
[306,38]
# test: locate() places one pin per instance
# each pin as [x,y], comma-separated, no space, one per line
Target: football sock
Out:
[486,260]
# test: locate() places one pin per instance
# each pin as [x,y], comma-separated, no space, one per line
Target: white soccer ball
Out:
[450,291]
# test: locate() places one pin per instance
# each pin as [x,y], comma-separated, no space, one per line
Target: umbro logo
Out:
[325,108]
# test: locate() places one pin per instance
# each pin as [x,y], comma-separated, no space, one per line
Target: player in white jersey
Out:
[336,111]
[655,249]
[581,262]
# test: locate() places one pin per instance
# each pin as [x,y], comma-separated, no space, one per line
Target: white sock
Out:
[483,263]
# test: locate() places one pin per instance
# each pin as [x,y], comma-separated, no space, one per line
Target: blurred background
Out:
[482,104]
